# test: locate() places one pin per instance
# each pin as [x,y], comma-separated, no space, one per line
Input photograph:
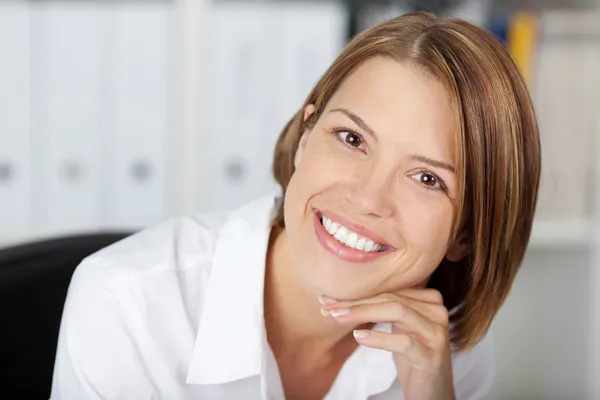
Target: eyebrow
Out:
[434,163]
[357,120]
[364,126]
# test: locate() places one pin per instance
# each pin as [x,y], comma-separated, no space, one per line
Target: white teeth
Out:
[332,228]
[360,245]
[341,234]
[349,238]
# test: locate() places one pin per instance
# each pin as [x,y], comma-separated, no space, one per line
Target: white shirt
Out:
[176,312]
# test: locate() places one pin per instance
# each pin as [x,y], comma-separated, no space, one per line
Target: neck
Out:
[292,310]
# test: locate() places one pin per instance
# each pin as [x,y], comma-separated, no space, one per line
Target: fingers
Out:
[433,311]
[419,340]
[404,317]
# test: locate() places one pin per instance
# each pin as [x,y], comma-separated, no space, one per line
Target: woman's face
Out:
[377,172]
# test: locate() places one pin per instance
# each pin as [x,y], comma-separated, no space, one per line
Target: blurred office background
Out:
[119,114]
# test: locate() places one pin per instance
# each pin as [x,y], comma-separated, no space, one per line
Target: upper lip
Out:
[354,227]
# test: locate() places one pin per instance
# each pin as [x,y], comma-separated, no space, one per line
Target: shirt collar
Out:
[230,339]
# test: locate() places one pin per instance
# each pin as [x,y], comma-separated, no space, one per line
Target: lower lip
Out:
[336,248]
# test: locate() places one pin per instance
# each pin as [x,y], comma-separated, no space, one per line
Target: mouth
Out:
[345,242]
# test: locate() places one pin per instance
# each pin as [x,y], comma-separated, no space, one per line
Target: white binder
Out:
[236,101]
[15,181]
[70,91]
[138,128]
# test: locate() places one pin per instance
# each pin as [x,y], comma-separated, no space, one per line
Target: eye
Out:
[350,138]
[429,180]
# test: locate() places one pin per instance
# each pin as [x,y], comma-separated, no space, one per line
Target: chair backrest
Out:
[34,278]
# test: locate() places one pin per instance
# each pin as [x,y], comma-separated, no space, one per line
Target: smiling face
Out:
[376,171]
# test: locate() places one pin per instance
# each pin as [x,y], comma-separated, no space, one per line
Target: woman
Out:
[409,182]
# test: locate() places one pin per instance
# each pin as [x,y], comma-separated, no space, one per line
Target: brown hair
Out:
[498,153]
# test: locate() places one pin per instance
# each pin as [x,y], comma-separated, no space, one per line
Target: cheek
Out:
[304,184]
[428,225]
[319,168]
[425,226]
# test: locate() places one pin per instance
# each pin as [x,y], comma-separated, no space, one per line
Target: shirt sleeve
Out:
[96,355]
[474,370]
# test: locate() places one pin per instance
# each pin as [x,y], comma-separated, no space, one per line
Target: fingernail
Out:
[325,313]
[338,312]
[324,300]
[361,334]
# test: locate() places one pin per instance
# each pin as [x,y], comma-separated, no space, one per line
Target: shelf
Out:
[556,234]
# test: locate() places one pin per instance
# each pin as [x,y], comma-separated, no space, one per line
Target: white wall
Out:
[542,332]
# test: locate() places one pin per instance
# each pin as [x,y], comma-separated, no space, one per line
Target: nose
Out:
[371,194]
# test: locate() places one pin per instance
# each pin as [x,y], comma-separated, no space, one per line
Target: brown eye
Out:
[351,139]
[428,180]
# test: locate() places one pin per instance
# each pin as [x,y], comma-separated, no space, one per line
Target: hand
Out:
[420,338]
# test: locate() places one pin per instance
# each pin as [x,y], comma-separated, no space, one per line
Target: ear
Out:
[460,248]
[308,111]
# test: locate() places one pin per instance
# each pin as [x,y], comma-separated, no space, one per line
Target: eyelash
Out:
[439,180]
[337,130]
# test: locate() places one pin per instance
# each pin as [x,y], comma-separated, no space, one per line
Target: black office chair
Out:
[34,279]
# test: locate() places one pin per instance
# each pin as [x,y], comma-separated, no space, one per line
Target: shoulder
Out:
[150,284]
[173,258]
[177,244]
[177,254]
[179,250]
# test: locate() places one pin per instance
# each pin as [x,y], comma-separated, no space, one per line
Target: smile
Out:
[347,240]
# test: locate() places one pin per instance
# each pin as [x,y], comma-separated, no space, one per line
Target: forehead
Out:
[399,99]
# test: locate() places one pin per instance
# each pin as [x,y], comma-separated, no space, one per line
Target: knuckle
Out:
[436,296]
[399,308]
[441,313]
[406,342]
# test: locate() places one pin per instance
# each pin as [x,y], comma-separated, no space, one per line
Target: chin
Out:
[338,280]
[337,290]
